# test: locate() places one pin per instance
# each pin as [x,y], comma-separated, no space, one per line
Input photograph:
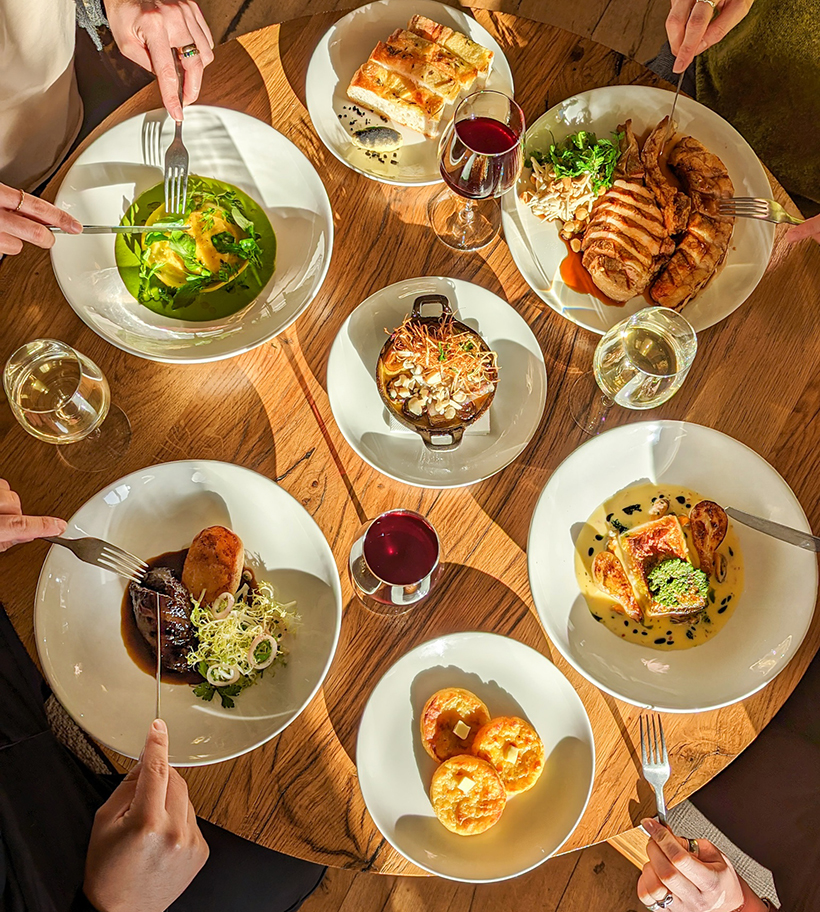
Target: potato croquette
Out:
[467,795]
[441,733]
[512,747]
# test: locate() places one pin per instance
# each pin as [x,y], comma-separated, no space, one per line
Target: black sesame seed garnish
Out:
[680,499]
[599,538]
[690,634]
[635,630]
[626,623]
[591,551]
[688,506]
[731,553]
[632,508]
[722,609]
[596,617]
[660,641]
[728,599]
[644,633]
[609,517]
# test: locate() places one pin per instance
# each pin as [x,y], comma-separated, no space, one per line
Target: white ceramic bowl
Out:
[345,47]
[399,453]
[223,144]
[159,509]
[772,615]
[395,772]
[538,250]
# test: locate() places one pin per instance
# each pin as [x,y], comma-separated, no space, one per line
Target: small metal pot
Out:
[442,437]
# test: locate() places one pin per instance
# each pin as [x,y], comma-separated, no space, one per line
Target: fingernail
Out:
[61,524]
[678,68]
[651,827]
[160,727]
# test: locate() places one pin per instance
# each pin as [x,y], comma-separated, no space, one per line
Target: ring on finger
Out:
[694,848]
[661,903]
[191,50]
[710,2]
[19,206]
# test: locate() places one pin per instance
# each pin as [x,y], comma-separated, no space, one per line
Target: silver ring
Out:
[191,50]
[661,903]
[694,848]
[710,2]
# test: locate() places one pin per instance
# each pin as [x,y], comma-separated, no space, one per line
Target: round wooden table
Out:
[754,378]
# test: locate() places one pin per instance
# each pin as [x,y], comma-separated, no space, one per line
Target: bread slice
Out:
[480,57]
[426,63]
[397,97]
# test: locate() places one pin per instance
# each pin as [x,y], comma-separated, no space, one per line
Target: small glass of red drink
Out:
[482,153]
[395,562]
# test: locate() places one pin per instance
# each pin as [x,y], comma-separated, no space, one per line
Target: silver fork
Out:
[655,760]
[151,140]
[750,207]
[176,162]
[102,554]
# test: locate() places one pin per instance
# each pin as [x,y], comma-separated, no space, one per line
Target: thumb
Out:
[28,528]
[809,228]
[152,782]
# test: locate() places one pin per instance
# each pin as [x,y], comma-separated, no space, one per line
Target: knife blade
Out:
[674,105]
[121,229]
[159,661]
[776,530]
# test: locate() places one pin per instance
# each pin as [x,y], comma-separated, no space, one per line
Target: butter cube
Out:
[460,730]
[511,753]
[466,784]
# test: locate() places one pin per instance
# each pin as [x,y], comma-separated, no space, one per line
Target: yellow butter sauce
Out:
[630,507]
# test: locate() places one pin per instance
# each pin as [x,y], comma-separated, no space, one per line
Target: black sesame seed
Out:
[632,508]
[722,609]
[599,538]
[660,641]
[626,623]
[728,598]
[635,630]
[644,633]
[609,517]
[596,617]
[669,633]
[690,634]
[689,506]
[591,551]
[680,499]
[731,553]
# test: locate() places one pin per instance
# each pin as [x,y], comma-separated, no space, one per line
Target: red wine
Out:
[482,158]
[401,548]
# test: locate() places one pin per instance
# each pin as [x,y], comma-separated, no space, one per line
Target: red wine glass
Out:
[481,155]
[395,562]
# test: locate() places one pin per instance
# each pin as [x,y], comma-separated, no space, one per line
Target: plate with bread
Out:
[475,757]
[646,585]
[616,207]
[385,80]
[248,612]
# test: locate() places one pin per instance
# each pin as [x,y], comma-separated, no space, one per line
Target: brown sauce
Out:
[135,645]
[576,277]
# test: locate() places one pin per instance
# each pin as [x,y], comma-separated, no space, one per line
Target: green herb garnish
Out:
[583,153]
[675,583]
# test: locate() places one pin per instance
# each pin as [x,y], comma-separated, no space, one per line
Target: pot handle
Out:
[446,310]
[430,436]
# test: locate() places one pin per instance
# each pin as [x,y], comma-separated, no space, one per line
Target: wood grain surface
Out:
[754,378]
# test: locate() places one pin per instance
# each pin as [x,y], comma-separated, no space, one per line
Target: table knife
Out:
[776,530]
[121,229]
[674,105]
[159,660]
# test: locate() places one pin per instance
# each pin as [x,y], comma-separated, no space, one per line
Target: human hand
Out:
[809,229]
[145,845]
[16,528]
[694,25]
[147,31]
[25,222]
[705,882]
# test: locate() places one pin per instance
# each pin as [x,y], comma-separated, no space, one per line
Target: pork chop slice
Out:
[674,204]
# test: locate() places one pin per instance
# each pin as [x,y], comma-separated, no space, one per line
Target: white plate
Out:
[228,146]
[515,412]
[345,47]
[538,250]
[395,772]
[159,509]
[773,612]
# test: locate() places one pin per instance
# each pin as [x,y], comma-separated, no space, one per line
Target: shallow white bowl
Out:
[223,144]
[514,413]
[345,47]
[538,249]
[395,772]
[772,615]
[159,509]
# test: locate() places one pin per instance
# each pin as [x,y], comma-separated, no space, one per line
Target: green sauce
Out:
[211,305]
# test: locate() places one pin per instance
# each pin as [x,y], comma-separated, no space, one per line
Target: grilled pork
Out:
[703,246]
[630,165]
[625,242]
[674,205]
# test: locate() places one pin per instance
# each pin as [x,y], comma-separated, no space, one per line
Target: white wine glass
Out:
[61,397]
[639,363]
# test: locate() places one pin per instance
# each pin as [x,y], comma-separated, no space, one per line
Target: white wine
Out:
[57,394]
[641,364]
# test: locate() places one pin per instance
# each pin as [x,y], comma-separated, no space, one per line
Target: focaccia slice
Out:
[480,57]
[397,97]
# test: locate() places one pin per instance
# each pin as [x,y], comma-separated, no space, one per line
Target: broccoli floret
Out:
[675,583]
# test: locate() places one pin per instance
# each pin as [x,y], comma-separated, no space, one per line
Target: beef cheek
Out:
[178,633]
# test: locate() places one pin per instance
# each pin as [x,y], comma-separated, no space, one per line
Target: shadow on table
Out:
[464,599]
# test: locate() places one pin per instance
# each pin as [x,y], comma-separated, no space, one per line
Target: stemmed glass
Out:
[638,364]
[60,396]
[482,153]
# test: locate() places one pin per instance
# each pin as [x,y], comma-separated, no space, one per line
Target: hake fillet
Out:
[214,563]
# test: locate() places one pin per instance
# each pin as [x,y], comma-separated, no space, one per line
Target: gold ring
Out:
[19,206]
[710,2]
[693,846]
[191,50]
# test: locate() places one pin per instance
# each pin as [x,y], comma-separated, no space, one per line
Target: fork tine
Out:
[122,564]
[125,557]
[118,567]
[655,748]
[643,743]
[665,756]
[120,571]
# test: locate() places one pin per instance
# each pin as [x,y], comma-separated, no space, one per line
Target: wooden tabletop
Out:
[755,378]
